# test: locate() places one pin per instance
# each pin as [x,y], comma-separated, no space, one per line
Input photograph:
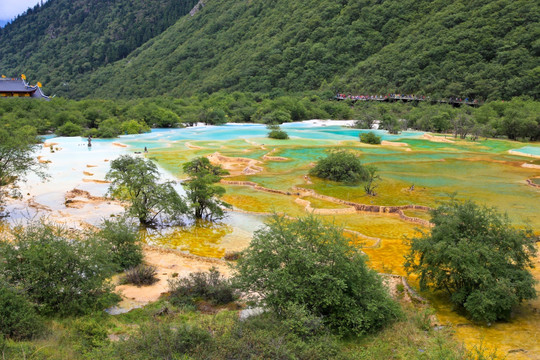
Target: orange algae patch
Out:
[388,256]
[5,229]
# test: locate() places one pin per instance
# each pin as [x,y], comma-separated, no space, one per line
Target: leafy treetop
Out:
[476,257]
[370,138]
[308,263]
[137,181]
[16,158]
[342,166]
[202,194]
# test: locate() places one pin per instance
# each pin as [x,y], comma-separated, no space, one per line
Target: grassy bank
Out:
[217,333]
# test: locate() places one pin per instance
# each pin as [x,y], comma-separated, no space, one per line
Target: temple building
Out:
[20,88]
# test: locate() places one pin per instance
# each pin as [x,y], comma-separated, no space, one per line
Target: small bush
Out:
[341,166]
[163,342]
[140,275]
[370,138]
[278,134]
[232,256]
[310,265]
[209,286]
[123,241]
[266,337]
[422,319]
[18,318]
[61,272]
[475,255]
[88,333]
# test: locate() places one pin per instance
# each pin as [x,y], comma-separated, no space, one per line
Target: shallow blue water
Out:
[157,137]
[531,150]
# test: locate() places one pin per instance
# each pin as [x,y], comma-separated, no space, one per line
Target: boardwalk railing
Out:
[407,98]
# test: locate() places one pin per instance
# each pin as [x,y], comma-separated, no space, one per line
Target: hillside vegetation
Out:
[64,39]
[481,49]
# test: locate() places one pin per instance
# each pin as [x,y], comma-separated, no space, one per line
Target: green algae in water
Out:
[493,184]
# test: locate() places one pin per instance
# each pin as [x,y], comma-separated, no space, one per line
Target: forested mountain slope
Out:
[481,49]
[64,39]
[486,49]
[258,46]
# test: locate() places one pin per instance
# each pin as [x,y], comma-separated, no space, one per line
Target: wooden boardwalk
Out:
[457,102]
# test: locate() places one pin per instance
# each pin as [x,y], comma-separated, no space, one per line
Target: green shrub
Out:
[134,127]
[69,129]
[123,241]
[209,286]
[61,272]
[18,318]
[93,133]
[370,138]
[301,322]
[423,319]
[163,342]
[475,255]
[278,134]
[202,195]
[232,256]
[341,166]
[109,128]
[278,116]
[267,337]
[308,263]
[88,333]
[140,275]
[136,180]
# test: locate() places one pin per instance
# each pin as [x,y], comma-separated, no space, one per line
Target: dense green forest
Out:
[518,119]
[483,49]
[63,39]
